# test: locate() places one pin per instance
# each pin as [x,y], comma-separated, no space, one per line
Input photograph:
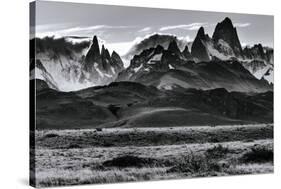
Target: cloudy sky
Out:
[120,27]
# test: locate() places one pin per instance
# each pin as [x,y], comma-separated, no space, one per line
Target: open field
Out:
[68,157]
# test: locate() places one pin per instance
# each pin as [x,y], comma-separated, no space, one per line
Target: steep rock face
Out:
[227,32]
[155,60]
[173,47]
[148,60]
[256,52]
[117,61]
[199,49]
[101,67]
[93,55]
[259,61]
[186,53]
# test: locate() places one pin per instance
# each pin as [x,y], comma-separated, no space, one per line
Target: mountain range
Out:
[156,60]
[169,82]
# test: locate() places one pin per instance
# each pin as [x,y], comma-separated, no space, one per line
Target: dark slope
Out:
[128,104]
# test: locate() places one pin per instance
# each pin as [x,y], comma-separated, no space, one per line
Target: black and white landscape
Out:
[167,108]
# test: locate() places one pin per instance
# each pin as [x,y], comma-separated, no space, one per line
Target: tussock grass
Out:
[87,176]
[71,157]
[197,165]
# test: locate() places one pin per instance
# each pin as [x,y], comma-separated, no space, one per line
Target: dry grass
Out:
[78,162]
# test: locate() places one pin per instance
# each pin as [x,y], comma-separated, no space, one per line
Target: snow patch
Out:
[171,67]
[269,76]
[138,68]
[98,70]
[113,70]
[155,59]
[214,52]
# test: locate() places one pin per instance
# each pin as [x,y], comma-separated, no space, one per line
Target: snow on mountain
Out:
[67,66]
[225,45]
[153,40]
[73,63]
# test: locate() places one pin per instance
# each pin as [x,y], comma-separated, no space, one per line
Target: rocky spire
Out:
[186,53]
[228,33]
[198,49]
[116,60]
[173,47]
[93,55]
[201,33]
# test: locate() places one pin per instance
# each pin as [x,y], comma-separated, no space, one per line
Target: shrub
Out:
[51,135]
[74,146]
[258,155]
[217,151]
[134,161]
[196,165]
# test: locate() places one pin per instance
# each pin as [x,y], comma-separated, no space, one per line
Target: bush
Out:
[217,152]
[133,161]
[51,135]
[74,146]
[258,155]
[196,165]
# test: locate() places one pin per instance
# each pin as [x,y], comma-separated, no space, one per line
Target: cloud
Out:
[146,29]
[192,26]
[241,25]
[49,30]
[186,38]
[243,44]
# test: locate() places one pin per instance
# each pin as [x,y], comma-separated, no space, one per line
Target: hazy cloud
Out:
[146,29]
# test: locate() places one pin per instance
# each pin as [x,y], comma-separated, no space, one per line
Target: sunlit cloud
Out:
[192,26]
[241,25]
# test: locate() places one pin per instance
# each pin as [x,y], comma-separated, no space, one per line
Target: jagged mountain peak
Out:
[95,39]
[198,48]
[185,50]
[95,45]
[173,47]
[227,22]
[226,32]
[114,54]
[201,33]
[105,52]
[186,53]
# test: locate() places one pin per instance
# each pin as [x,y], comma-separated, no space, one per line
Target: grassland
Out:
[69,157]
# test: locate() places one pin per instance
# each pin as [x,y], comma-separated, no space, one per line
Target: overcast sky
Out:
[122,26]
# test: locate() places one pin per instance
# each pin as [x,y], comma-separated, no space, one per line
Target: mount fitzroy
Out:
[217,62]
[68,66]
[163,61]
